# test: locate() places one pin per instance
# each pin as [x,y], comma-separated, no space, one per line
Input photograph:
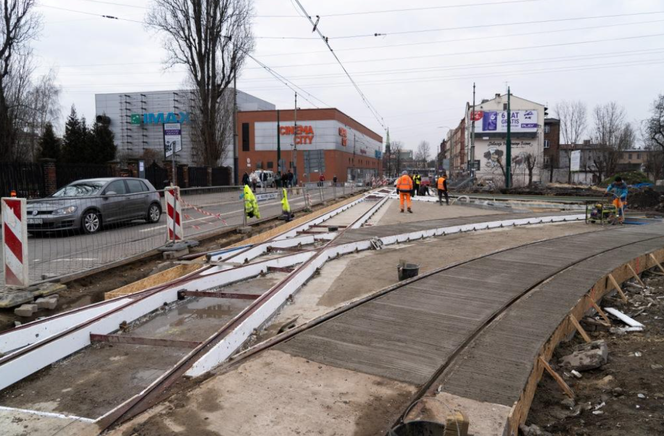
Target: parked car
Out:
[88,205]
[261,174]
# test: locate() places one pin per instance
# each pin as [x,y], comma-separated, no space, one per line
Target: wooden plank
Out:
[652,256]
[598,310]
[568,391]
[636,276]
[582,332]
[618,288]
[133,340]
[280,269]
[154,280]
[228,295]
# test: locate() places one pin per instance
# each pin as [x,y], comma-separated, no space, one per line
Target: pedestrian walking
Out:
[321,180]
[442,189]
[245,179]
[404,188]
[334,180]
[254,181]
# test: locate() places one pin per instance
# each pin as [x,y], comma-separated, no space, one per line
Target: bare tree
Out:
[41,106]
[654,126]
[530,161]
[654,165]
[423,152]
[211,38]
[19,25]
[397,149]
[573,116]
[612,136]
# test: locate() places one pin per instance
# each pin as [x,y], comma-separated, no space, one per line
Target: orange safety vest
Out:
[405,183]
[441,183]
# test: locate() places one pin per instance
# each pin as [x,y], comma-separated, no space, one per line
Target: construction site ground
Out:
[626,395]
[91,289]
[282,393]
[241,400]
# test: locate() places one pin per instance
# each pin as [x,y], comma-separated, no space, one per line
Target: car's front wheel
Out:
[91,222]
[154,213]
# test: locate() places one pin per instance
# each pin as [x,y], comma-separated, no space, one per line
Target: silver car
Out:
[89,204]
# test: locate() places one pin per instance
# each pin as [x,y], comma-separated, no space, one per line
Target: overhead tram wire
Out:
[474,38]
[286,82]
[389,11]
[368,104]
[447,29]
[465,53]
[110,17]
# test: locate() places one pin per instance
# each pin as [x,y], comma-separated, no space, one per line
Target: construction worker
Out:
[250,203]
[285,206]
[417,179]
[619,190]
[441,185]
[404,188]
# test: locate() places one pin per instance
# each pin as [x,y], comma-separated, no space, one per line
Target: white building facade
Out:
[137,120]
[489,151]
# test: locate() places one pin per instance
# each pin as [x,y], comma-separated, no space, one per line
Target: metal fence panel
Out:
[67,173]
[198,176]
[27,179]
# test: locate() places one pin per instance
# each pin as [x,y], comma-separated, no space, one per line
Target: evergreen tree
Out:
[74,146]
[49,144]
[102,144]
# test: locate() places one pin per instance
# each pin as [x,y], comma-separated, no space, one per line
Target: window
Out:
[118,187]
[638,155]
[629,156]
[314,161]
[270,165]
[504,106]
[546,143]
[245,136]
[547,129]
[136,186]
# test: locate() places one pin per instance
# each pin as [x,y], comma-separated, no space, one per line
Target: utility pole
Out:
[236,170]
[279,169]
[472,138]
[295,142]
[508,148]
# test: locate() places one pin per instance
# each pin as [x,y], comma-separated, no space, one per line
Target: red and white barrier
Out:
[15,241]
[174,228]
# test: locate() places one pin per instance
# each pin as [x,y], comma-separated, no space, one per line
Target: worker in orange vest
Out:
[442,189]
[404,188]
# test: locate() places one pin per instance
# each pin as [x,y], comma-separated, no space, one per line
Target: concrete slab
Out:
[22,423]
[427,211]
[281,395]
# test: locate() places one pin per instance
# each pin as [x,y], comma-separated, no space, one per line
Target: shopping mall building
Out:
[326,142]
[137,119]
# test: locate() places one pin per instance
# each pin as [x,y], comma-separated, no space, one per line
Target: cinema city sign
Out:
[160,118]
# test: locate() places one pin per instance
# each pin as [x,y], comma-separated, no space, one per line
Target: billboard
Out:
[575,164]
[523,121]
[172,138]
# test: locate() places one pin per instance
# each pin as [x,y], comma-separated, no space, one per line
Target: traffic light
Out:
[546,111]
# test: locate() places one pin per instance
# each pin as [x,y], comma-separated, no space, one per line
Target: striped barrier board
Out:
[15,241]
[174,215]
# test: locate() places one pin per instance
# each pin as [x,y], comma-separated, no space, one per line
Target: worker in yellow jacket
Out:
[285,206]
[250,203]
[404,188]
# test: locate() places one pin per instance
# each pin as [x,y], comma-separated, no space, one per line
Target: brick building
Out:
[327,142]
[551,146]
[456,142]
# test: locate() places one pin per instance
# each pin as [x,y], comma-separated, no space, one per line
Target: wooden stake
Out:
[618,288]
[599,310]
[636,276]
[579,329]
[568,391]
[652,256]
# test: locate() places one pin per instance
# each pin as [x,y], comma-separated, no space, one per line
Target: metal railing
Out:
[69,236]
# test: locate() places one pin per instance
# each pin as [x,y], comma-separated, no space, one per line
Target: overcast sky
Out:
[418,82]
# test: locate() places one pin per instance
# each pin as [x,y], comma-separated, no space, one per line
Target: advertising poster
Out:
[523,121]
[172,138]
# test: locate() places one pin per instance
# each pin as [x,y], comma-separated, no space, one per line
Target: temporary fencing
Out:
[14,238]
[72,235]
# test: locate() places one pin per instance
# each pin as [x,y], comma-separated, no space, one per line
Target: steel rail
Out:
[152,393]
